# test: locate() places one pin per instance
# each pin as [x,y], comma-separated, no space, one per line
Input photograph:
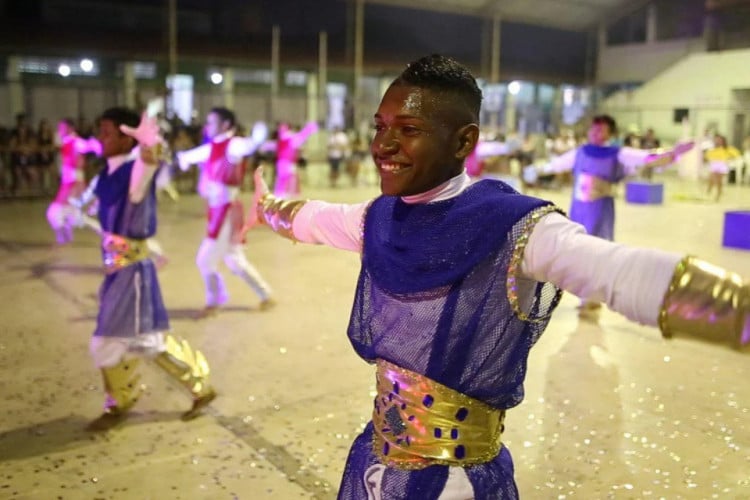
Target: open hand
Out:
[261,189]
[147,132]
[259,133]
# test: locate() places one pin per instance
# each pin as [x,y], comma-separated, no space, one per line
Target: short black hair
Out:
[605,120]
[444,74]
[224,114]
[121,116]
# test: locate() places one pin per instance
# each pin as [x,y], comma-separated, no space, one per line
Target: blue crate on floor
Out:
[649,193]
[737,229]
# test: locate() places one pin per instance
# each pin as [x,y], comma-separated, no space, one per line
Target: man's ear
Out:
[468,136]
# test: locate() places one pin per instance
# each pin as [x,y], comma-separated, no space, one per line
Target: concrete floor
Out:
[612,410]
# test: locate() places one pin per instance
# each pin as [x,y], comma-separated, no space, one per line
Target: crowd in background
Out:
[29,164]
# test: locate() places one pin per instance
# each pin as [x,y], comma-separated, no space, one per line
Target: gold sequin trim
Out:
[514,268]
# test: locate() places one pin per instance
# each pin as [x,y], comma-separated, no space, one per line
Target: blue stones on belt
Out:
[459,452]
[461,414]
[427,401]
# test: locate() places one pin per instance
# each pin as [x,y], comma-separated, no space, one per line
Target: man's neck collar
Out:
[449,189]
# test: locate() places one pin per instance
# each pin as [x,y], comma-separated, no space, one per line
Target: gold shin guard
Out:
[190,368]
[121,382]
[278,214]
[706,302]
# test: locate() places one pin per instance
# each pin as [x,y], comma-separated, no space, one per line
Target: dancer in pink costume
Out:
[62,216]
[287,149]
[222,168]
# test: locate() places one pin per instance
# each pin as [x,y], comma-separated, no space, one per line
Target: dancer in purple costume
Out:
[132,320]
[458,281]
[597,167]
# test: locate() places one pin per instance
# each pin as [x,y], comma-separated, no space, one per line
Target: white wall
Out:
[642,62]
[52,103]
[701,82]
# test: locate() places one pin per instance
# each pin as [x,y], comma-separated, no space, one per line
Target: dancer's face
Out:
[599,134]
[418,141]
[215,126]
[113,141]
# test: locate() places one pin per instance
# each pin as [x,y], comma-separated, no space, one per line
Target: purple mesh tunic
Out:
[130,301]
[432,298]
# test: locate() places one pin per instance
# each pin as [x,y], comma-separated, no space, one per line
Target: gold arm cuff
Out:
[419,422]
[278,214]
[706,302]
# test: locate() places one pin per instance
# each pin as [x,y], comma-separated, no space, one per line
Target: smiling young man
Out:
[132,320]
[458,281]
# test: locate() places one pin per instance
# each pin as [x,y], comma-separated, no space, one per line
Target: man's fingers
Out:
[127,130]
[260,183]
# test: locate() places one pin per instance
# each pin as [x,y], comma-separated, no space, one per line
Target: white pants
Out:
[457,487]
[109,351]
[212,251]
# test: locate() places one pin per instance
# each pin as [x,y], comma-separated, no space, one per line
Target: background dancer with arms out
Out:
[597,167]
[223,163]
[132,320]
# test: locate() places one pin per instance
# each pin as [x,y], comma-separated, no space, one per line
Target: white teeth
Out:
[391,167]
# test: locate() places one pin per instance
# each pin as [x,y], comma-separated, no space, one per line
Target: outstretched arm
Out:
[337,225]
[150,144]
[635,159]
[683,296]
[300,137]
[245,146]
[193,156]
[90,145]
[563,163]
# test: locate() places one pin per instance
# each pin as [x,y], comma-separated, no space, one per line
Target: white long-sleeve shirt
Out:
[238,148]
[631,281]
[630,158]
[217,193]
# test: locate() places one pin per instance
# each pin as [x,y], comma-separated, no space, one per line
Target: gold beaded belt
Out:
[120,252]
[419,422]
[591,188]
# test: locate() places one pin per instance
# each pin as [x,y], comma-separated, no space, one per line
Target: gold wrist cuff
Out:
[706,302]
[278,214]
